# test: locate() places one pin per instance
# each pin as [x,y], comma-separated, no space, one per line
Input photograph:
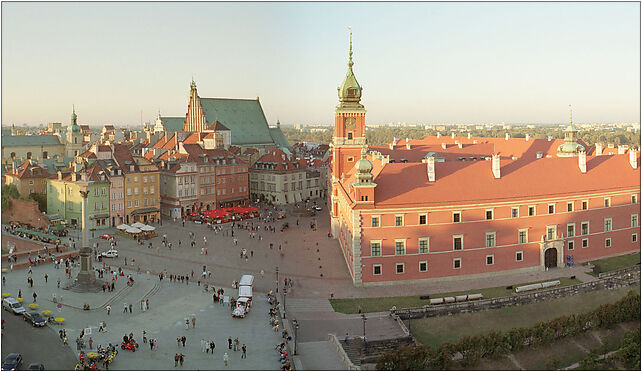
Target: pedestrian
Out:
[225,359]
[244,349]
[46,278]
[144,336]
[125,308]
[193,321]
[202,345]
[176,360]
[130,308]
[212,346]
[151,344]
[108,309]
[147,304]
[229,342]
[35,296]
[19,293]
[183,339]
[91,343]
[178,341]
[181,358]
[186,323]
[236,344]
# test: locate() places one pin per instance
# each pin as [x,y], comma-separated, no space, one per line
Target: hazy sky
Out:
[417,62]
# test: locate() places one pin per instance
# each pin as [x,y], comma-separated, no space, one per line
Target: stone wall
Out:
[620,278]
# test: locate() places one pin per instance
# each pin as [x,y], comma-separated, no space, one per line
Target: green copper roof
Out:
[44,140]
[244,117]
[279,137]
[350,90]
[173,124]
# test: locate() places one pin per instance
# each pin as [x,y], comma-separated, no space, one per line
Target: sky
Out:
[416,62]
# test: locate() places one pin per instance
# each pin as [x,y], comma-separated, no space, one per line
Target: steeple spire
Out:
[350,90]
[571,111]
[350,63]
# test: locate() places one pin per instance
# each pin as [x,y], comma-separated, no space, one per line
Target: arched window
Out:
[75,140]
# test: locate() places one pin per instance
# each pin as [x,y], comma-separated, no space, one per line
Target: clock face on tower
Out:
[350,123]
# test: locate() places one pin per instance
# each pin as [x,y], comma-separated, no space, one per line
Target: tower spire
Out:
[571,112]
[350,63]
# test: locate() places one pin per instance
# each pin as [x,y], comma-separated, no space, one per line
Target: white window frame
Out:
[494,234]
[634,238]
[548,209]
[427,240]
[517,259]
[588,227]
[571,245]
[574,230]
[375,242]
[378,217]
[637,220]
[492,214]
[634,198]
[460,236]
[534,211]
[610,224]
[404,247]
[607,200]
[525,230]
[457,259]
[425,215]
[607,243]
[402,220]
[380,269]
[587,205]
[514,209]
[584,240]
[554,227]
[403,268]
[572,204]
[423,262]
[492,257]
[453,216]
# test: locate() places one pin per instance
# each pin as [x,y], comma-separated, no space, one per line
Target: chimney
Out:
[391,146]
[474,142]
[430,168]
[438,134]
[550,138]
[540,154]
[452,135]
[460,145]
[443,145]
[528,136]
[74,177]
[620,149]
[599,147]
[407,144]
[469,136]
[496,167]
[507,137]
[633,158]
[582,161]
[59,175]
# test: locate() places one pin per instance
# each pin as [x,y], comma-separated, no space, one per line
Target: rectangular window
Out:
[490,259]
[456,263]
[608,224]
[634,199]
[422,219]
[129,191]
[458,242]
[569,207]
[531,211]
[400,248]
[96,207]
[423,245]
[423,266]
[570,230]
[129,203]
[398,220]
[514,212]
[607,242]
[585,228]
[399,268]
[136,203]
[584,205]
[634,237]
[634,220]
[571,245]
[551,232]
[489,214]
[490,239]
[522,236]
[376,269]
[144,179]
[374,221]
[375,249]
[584,243]
[113,207]
[519,256]
[456,216]
[135,190]
[607,202]
[551,208]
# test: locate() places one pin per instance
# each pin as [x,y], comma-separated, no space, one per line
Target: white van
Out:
[11,304]
[245,291]
[247,280]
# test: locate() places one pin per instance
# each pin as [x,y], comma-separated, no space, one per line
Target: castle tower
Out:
[74,137]
[570,147]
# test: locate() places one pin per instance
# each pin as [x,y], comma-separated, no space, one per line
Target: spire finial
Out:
[571,111]
[350,63]
[73,108]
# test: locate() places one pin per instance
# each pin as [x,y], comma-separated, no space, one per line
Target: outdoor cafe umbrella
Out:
[147,228]
[122,227]
[133,230]
[138,225]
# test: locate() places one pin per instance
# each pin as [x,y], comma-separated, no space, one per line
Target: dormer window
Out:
[349,135]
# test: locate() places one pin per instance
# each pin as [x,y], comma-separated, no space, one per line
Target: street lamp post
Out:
[277,279]
[285,296]
[296,333]
[364,319]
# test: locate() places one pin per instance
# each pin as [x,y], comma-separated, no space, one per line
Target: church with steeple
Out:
[74,137]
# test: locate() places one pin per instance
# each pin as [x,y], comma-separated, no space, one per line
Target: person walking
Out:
[178,341]
[35,295]
[124,307]
[236,344]
[193,321]
[130,308]
[108,309]
[229,343]
[202,345]
[46,278]
[183,339]
[91,344]
[212,346]
[175,360]
[181,358]
[226,359]
[244,350]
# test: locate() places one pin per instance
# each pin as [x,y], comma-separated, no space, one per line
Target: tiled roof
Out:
[279,138]
[278,160]
[244,117]
[88,154]
[473,181]
[30,170]
[42,140]
[173,124]
[217,125]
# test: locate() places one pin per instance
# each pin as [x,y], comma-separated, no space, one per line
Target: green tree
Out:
[9,192]
[41,199]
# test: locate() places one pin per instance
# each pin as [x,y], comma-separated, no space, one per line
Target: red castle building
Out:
[449,206]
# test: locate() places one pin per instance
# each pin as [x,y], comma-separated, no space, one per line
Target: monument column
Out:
[86,276]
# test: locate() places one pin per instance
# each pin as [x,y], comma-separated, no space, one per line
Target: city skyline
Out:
[475,63]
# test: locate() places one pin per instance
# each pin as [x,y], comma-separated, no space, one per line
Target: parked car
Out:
[35,318]
[107,236]
[112,253]
[12,362]
[11,304]
[36,367]
[317,208]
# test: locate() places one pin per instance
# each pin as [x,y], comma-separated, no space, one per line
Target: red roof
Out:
[279,160]
[30,170]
